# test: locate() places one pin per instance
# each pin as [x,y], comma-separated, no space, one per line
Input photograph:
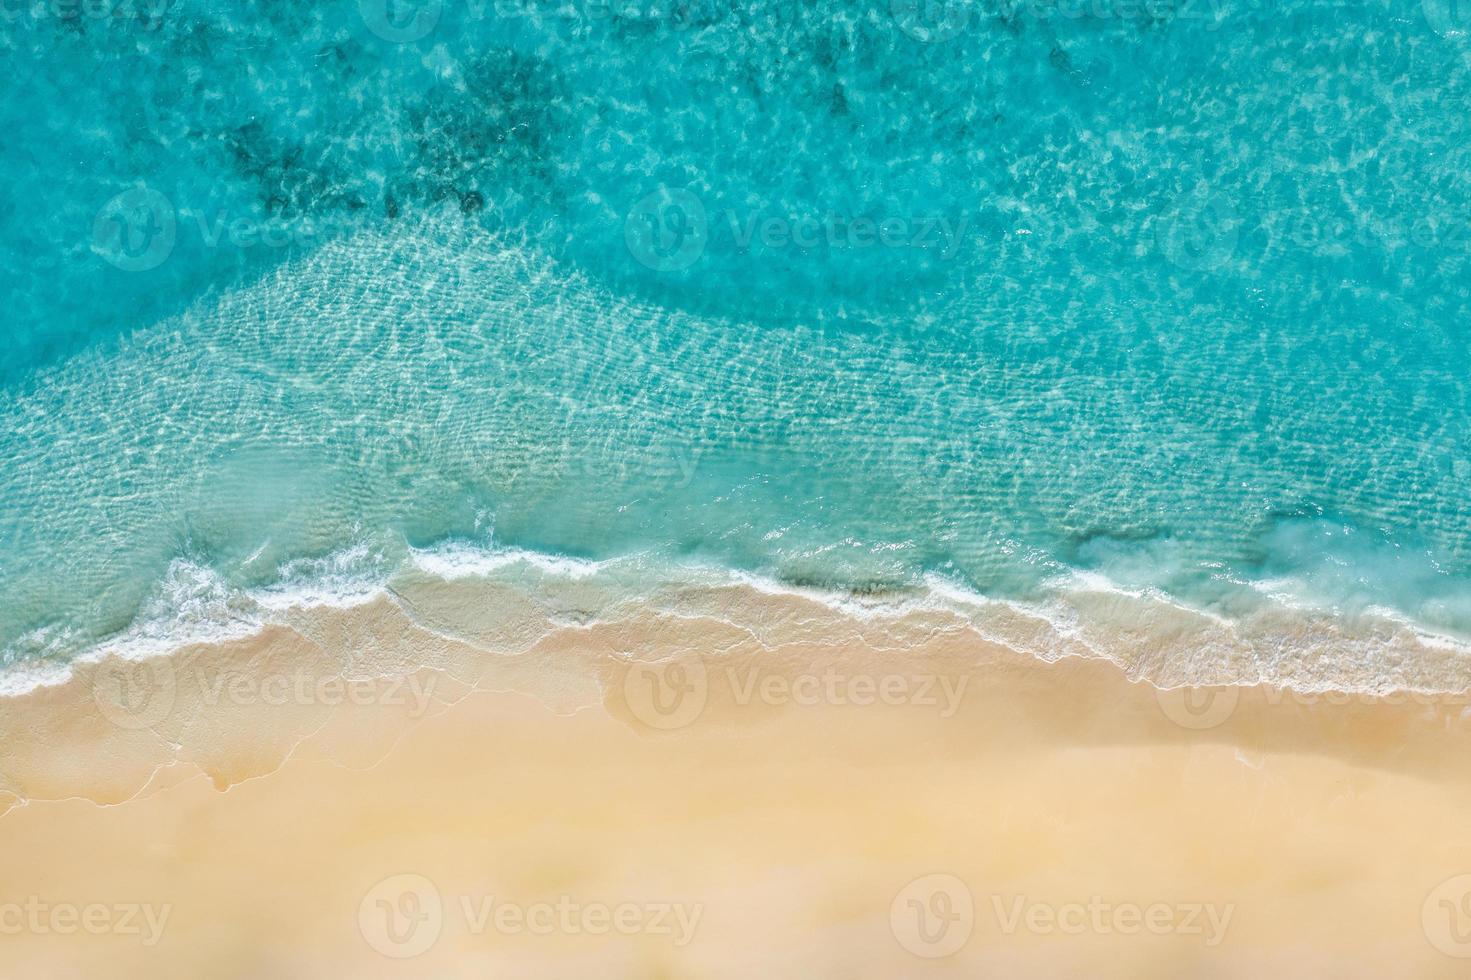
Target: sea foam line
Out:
[194,606]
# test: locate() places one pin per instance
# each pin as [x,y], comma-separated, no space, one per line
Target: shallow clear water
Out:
[1162,301]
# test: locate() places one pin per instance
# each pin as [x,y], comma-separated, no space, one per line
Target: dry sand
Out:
[814,809]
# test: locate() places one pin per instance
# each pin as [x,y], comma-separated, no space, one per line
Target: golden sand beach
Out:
[652,798]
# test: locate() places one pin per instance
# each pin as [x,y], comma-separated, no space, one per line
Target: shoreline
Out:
[799,804]
[235,705]
[1151,637]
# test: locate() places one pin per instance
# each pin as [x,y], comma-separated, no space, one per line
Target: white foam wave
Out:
[1148,634]
[459,560]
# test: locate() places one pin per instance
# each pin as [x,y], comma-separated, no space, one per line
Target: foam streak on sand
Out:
[461,614]
[429,743]
[508,599]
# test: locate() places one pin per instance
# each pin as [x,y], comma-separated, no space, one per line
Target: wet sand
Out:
[651,798]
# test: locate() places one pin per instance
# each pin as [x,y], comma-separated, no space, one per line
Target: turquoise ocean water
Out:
[1123,314]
